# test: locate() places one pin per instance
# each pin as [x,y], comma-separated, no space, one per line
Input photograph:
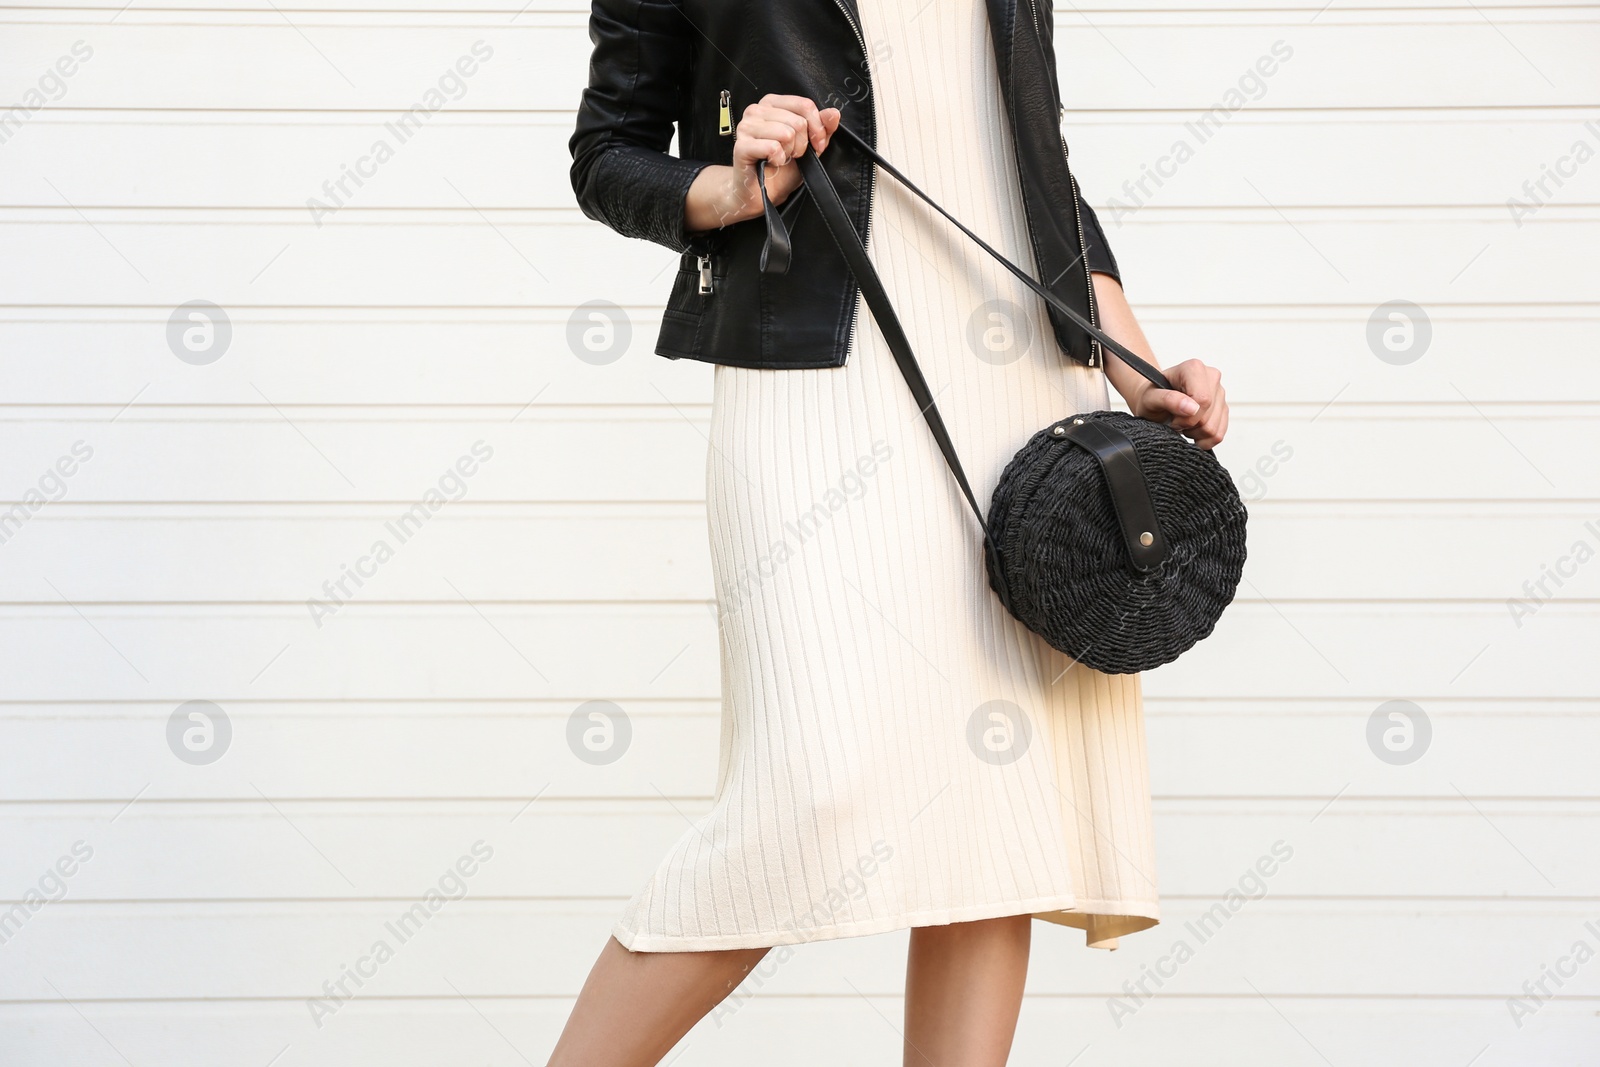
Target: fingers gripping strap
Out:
[872,291]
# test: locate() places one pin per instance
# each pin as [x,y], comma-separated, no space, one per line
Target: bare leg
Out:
[964,991]
[635,1006]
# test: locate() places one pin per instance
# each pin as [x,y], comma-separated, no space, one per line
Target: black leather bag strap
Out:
[877,298]
[1149,372]
[1111,448]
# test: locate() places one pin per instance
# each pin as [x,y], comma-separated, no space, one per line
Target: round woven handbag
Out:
[1115,539]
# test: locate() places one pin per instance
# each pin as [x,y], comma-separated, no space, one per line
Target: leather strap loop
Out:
[1130,495]
[777,251]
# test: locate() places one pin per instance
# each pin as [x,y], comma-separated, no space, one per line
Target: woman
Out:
[897,752]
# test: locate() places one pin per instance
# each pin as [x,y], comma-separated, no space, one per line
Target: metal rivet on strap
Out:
[1077,422]
[1147,539]
[1059,431]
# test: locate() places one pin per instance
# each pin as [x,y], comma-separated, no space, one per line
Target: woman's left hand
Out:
[1196,406]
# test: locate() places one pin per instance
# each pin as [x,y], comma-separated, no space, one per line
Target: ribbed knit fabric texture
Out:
[896,750]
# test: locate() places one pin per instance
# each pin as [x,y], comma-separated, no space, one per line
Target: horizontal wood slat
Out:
[1215,749]
[1268,255]
[658,454]
[1126,161]
[669,651]
[597,553]
[1472,848]
[797,1031]
[544,950]
[1375,57]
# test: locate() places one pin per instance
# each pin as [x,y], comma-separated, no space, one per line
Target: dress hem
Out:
[1061,910]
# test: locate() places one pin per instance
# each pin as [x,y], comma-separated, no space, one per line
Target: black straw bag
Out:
[1114,538]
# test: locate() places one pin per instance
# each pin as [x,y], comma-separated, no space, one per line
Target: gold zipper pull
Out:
[725,128]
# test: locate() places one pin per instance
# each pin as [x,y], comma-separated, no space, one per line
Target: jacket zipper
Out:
[1077,208]
[725,129]
[1083,244]
[872,169]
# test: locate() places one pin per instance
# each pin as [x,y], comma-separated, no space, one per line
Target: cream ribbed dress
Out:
[896,750]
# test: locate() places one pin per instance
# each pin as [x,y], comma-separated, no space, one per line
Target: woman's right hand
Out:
[775,130]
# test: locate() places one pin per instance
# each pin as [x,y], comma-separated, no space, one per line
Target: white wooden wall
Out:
[207,903]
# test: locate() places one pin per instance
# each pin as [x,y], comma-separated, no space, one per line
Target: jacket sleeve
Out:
[1099,258]
[638,74]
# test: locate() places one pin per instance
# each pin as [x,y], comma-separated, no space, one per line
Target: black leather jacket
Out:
[696,65]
